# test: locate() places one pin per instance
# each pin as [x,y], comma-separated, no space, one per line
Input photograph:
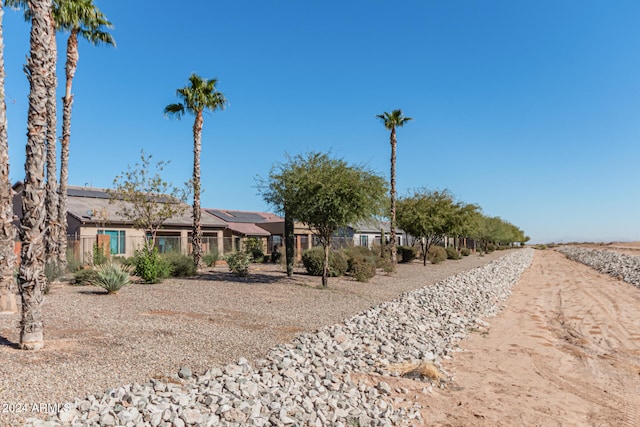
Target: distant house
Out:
[266,226]
[368,233]
[90,216]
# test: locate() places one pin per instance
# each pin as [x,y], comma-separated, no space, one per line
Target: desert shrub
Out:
[253,246]
[239,263]
[276,256]
[150,266]
[406,253]
[111,277]
[452,253]
[84,277]
[181,265]
[210,258]
[99,257]
[73,264]
[361,263]
[490,247]
[313,259]
[436,254]
[385,264]
[465,251]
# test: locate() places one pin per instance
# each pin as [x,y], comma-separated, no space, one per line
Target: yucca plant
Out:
[112,277]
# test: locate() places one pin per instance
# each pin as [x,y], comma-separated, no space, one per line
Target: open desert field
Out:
[565,349]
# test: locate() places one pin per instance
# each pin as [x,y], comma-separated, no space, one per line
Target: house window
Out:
[116,241]
[364,240]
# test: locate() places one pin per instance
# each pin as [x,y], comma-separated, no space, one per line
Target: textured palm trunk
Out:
[394,249]
[7,257]
[67,101]
[197,229]
[52,241]
[31,278]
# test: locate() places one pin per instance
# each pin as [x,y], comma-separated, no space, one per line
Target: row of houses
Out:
[91,218]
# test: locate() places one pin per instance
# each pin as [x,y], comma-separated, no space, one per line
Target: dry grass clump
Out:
[418,369]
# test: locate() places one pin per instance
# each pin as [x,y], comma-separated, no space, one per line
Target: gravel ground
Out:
[95,342]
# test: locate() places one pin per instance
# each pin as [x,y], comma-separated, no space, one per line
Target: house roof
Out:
[247,229]
[244,217]
[91,205]
[373,226]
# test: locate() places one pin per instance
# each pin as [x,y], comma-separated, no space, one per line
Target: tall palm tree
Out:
[199,95]
[7,232]
[51,197]
[81,18]
[31,278]
[391,121]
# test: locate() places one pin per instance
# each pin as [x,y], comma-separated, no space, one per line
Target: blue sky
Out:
[529,109]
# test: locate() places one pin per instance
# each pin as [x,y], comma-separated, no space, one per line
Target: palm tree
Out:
[31,278]
[200,95]
[81,18]
[392,121]
[51,198]
[7,232]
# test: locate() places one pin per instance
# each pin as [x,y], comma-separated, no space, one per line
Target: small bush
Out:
[385,264]
[210,258]
[253,246]
[490,247]
[99,257]
[84,277]
[276,256]
[111,277]
[313,260]
[239,263]
[465,251]
[361,263]
[53,271]
[73,264]
[452,253]
[406,254]
[181,265]
[150,266]
[436,254]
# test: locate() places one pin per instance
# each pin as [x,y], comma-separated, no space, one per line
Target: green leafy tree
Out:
[31,277]
[7,231]
[199,95]
[428,216]
[325,194]
[145,199]
[392,121]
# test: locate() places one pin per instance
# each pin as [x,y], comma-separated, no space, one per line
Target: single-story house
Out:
[90,215]
[368,233]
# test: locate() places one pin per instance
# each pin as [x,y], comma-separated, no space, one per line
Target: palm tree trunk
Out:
[31,279]
[52,238]
[394,249]
[197,229]
[7,231]
[67,101]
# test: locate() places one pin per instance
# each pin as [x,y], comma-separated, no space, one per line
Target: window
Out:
[364,240]
[116,241]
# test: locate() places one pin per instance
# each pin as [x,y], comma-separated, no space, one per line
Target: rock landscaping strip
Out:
[308,381]
[620,266]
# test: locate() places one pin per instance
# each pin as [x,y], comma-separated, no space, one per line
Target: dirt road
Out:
[565,351]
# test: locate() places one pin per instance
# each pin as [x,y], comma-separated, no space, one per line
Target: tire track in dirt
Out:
[565,351]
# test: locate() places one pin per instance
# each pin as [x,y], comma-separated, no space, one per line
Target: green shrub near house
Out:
[406,254]
[181,265]
[436,254]
[150,266]
[452,253]
[465,251]
[210,258]
[313,260]
[361,263]
[239,263]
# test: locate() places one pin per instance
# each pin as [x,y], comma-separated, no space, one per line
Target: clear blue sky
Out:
[529,109]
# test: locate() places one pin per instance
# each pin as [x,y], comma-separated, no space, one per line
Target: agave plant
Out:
[112,277]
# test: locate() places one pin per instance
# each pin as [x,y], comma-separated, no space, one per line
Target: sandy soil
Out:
[564,351]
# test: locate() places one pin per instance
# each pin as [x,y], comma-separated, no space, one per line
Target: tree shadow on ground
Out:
[252,278]
[4,342]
